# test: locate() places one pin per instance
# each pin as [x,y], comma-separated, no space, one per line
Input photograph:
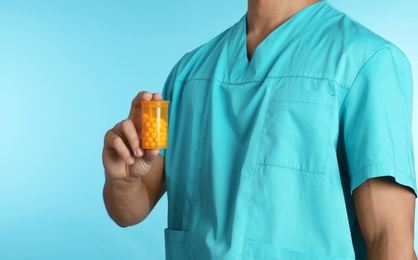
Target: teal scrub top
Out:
[264,154]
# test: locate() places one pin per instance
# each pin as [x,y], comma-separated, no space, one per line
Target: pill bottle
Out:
[154,131]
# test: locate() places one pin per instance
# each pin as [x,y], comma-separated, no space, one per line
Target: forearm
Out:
[387,248]
[386,214]
[127,202]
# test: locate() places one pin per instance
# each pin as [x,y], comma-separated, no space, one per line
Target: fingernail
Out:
[138,152]
[131,161]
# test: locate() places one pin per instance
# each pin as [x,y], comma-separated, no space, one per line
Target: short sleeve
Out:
[376,120]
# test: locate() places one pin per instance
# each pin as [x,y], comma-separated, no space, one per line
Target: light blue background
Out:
[68,72]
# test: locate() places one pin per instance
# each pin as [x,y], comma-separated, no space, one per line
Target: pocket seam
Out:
[329,105]
[299,101]
[291,168]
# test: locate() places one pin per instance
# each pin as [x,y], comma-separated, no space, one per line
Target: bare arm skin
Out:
[386,212]
[135,179]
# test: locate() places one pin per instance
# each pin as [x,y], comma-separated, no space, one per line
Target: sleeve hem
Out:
[383,170]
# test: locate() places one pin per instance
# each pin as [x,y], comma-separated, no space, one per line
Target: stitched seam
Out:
[266,116]
[359,172]
[254,176]
[328,135]
[358,73]
[195,198]
[340,85]
[290,168]
[300,101]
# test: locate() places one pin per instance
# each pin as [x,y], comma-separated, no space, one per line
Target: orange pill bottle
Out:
[154,132]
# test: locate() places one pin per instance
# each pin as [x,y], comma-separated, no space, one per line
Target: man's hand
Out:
[122,156]
[134,177]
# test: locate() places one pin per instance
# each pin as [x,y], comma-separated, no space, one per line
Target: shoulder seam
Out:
[386,46]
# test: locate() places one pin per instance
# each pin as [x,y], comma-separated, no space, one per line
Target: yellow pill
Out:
[150,139]
[147,124]
[152,119]
[147,134]
[146,144]
[153,144]
[154,124]
[154,135]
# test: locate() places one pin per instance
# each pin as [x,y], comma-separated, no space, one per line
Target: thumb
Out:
[143,164]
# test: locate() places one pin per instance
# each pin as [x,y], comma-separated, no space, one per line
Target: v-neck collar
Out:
[238,64]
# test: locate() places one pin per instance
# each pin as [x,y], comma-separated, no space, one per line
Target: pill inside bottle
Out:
[154,124]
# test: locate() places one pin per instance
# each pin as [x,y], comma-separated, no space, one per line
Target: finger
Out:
[143,95]
[127,130]
[157,97]
[136,102]
[135,112]
[115,142]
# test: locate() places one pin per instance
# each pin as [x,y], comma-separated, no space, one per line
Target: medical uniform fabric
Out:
[264,154]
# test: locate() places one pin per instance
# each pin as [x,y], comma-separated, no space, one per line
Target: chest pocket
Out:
[296,132]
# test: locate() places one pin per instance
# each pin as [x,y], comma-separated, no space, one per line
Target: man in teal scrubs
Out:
[289,138]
